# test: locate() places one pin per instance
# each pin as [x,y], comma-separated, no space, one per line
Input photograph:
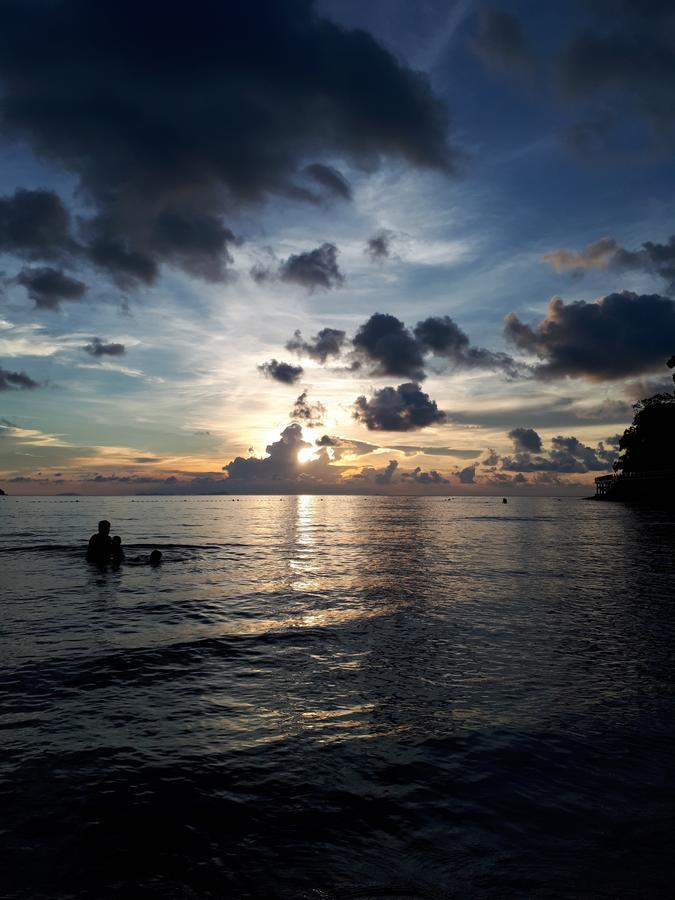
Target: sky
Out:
[331,246]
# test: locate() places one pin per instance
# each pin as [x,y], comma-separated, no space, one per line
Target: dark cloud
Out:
[435,451]
[332,181]
[442,336]
[175,118]
[136,479]
[502,479]
[16,381]
[420,477]
[98,347]
[283,372]
[49,287]
[491,458]
[547,412]
[328,441]
[207,485]
[116,255]
[525,439]
[27,479]
[645,387]
[196,242]
[658,259]
[313,269]
[500,41]
[653,257]
[595,256]
[405,408]
[371,476]
[607,410]
[384,476]
[35,225]
[378,247]
[594,459]
[545,478]
[311,414]
[385,346]
[567,455]
[623,65]
[619,335]
[389,347]
[393,475]
[261,273]
[467,475]
[499,478]
[328,342]
[342,446]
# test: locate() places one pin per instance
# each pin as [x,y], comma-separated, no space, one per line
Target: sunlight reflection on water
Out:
[342,689]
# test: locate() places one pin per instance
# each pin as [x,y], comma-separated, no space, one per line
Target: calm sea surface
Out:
[314,696]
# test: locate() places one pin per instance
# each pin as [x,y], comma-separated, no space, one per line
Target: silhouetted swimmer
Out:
[504,500]
[154,559]
[116,551]
[100,544]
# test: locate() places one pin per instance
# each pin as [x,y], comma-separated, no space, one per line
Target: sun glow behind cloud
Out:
[306,454]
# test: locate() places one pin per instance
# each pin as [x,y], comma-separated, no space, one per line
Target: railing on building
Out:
[605,484]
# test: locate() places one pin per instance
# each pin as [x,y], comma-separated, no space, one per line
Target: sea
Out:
[332,697]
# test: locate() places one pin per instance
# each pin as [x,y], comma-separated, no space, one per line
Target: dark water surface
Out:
[311,695]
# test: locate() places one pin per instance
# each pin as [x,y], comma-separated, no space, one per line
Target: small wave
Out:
[81,548]
[507,518]
[46,548]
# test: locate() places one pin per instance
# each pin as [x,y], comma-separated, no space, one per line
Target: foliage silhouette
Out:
[647,446]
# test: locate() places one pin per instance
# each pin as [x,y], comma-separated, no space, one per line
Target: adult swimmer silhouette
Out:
[100,544]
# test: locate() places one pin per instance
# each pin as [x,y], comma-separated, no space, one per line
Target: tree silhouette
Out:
[648,445]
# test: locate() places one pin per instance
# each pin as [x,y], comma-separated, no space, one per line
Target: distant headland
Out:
[645,470]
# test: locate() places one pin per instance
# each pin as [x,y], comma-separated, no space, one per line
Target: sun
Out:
[306,454]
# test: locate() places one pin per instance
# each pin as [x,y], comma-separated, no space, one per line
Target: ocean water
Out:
[349,696]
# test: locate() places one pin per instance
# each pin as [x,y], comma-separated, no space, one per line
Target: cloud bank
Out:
[152,145]
[617,336]
[383,345]
[653,258]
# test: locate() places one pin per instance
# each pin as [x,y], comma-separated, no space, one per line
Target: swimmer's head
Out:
[104,526]
[155,557]
[117,541]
